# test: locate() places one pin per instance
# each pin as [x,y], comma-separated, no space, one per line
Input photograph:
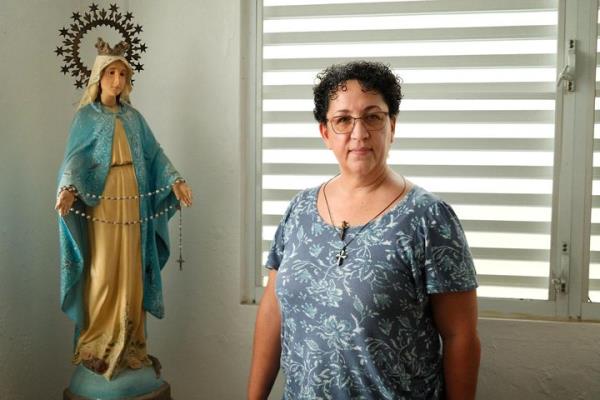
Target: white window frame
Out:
[574,169]
[573,172]
[251,145]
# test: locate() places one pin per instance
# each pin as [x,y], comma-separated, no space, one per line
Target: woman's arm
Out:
[455,316]
[267,344]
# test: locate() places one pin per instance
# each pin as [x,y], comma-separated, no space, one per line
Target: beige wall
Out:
[190,94]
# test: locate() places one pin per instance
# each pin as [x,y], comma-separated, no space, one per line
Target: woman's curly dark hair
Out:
[373,76]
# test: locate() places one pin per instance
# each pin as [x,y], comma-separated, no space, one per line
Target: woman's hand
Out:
[64,202]
[183,193]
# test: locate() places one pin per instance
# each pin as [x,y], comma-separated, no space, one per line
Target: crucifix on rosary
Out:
[180,260]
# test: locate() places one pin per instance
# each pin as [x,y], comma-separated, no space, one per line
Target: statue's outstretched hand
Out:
[64,202]
[183,193]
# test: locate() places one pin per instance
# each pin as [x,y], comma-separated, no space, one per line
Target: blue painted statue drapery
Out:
[85,166]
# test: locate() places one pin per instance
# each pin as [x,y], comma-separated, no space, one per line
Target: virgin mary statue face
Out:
[113,80]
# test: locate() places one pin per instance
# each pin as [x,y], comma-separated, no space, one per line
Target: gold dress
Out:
[114,335]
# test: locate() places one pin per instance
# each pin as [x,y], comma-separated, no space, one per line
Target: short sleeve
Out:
[448,261]
[276,253]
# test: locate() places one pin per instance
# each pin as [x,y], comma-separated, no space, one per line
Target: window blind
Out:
[476,125]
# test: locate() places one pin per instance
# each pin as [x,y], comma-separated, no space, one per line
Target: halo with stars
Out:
[84,23]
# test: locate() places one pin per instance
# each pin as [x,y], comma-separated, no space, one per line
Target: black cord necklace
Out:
[342,254]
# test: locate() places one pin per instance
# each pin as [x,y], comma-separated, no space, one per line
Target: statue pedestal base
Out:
[130,384]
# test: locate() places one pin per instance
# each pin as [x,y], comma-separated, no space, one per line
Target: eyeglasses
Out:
[373,121]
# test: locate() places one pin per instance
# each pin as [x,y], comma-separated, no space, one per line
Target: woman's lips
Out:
[360,151]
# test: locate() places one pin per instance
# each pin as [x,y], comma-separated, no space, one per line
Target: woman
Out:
[367,271]
[122,190]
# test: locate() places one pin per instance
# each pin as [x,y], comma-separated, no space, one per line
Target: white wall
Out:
[34,113]
[190,94]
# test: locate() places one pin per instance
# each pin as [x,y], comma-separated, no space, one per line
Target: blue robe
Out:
[85,166]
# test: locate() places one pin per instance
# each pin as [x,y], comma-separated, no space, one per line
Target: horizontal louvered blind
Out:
[476,125]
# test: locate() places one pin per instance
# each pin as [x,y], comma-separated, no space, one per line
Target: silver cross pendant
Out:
[341,256]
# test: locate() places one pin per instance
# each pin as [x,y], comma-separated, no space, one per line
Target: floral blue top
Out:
[364,330]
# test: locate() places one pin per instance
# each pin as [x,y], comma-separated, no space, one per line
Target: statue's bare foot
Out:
[95,364]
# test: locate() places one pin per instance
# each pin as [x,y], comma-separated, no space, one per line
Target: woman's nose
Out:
[359,131]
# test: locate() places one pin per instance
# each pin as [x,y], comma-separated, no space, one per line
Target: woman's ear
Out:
[325,134]
[393,128]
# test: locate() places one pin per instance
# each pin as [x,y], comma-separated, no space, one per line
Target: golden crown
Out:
[104,48]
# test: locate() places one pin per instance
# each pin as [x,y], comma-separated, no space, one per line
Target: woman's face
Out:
[113,79]
[363,150]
